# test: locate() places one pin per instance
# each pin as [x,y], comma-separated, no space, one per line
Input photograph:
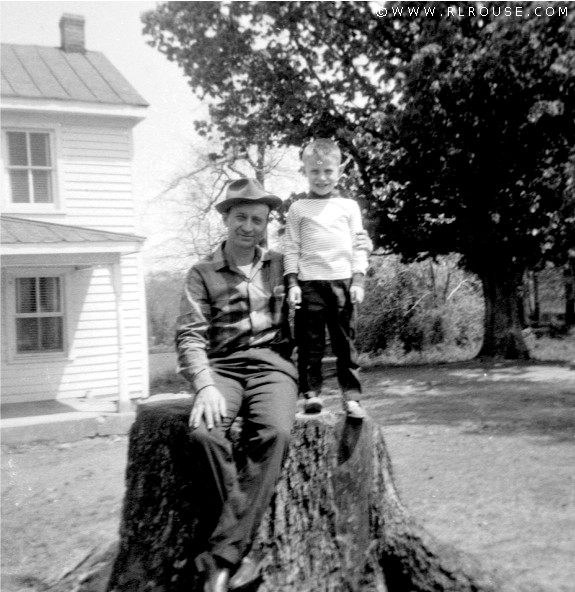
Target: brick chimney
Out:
[72,33]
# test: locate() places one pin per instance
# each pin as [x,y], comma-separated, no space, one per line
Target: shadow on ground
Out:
[501,399]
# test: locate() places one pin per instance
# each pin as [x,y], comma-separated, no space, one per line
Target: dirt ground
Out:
[483,456]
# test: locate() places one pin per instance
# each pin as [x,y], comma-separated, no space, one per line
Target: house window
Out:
[30,167]
[39,315]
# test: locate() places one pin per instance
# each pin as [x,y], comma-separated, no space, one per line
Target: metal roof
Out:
[33,232]
[34,72]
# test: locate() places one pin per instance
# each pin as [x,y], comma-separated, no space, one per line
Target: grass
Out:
[554,349]
[169,382]
[438,354]
[542,349]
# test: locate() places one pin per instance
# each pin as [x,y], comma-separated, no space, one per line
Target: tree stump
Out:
[336,522]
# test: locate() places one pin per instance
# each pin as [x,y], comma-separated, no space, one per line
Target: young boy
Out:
[325,276]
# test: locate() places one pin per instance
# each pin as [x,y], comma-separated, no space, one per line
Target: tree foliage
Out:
[460,129]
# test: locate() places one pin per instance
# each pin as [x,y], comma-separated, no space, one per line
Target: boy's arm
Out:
[291,246]
[291,256]
[359,259]
[291,280]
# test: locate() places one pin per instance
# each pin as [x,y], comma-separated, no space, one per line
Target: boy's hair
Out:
[321,147]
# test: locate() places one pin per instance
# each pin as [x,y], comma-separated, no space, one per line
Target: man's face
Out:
[246,224]
[322,173]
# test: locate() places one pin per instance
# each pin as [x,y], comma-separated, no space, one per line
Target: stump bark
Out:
[336,522]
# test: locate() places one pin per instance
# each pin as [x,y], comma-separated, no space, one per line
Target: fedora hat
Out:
[247,191]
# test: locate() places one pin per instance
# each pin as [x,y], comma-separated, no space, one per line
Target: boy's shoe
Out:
[312,403]
[216,573]
[354,410]
[248,572]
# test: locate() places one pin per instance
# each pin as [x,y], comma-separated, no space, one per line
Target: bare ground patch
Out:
[483,455]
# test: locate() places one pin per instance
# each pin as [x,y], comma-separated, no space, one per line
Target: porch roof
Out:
[20,236]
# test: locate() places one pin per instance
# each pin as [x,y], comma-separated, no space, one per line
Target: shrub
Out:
[163,294]
[419,305]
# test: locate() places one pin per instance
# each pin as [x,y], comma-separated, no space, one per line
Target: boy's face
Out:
[322,173]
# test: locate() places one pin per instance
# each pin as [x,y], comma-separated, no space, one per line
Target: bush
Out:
[163,294]
[419,305]
[408,308]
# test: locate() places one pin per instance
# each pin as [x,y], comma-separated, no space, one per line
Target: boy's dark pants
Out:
[326,303]
[260,385]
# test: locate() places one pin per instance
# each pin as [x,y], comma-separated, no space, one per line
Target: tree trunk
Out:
[502,336]
[569,275]
[336,522]
[261,162]
[536,299]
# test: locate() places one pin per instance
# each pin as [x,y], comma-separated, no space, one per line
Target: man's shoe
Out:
[217,580]
[312,403]
[248,572]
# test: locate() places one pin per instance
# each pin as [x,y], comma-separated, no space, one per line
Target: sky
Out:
[165,143]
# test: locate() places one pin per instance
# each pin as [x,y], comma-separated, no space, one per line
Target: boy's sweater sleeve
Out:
[291,245]
[359,261]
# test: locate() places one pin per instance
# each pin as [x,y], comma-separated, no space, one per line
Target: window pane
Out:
[20,189]
[42,189]
[17,148]
[49,294]
[39,296]
[51,334]
[40,149]
[27,335]
[26,295]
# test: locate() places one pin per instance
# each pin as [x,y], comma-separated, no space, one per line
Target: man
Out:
[234,347]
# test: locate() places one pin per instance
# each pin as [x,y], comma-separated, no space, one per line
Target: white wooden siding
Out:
[91,367]
[96,177]
[93,170]
[94,183]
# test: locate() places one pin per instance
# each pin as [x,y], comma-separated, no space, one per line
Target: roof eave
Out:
[19,104]
[61,248]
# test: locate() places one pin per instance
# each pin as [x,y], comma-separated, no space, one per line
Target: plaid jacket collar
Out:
[221,262]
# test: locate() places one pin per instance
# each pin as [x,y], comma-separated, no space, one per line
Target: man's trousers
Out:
[259,385]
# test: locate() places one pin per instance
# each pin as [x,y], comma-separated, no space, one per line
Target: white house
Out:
[73,306]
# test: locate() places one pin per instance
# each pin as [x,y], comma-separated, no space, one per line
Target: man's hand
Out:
[356,294]
[362,242]
[294,296]
[209,404]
